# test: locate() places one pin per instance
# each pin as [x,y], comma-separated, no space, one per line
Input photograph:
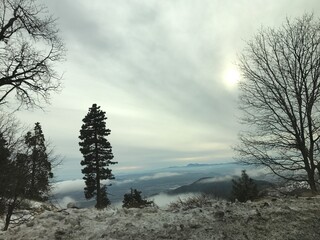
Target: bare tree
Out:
[13,131]
[280,97]
[29,47]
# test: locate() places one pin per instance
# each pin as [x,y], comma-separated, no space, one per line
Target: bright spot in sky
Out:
[231,78]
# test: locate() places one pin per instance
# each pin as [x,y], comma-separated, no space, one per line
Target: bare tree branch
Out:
[29,47]
[280,100]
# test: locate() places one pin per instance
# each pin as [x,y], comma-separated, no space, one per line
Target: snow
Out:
[286,218]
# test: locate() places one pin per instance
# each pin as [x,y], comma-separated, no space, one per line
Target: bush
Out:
[134,200]
[196,201]
[244,188]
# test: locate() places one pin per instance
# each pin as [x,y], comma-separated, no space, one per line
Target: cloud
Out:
[157,69]
[217,179]
[253,172]
[68,186]
[64,201]
[160,175]
[163,200]
[121,182]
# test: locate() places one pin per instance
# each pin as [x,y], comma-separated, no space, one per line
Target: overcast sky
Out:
[163,70]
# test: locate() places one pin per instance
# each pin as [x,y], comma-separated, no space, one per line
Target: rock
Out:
[58,217]
[194,225]
[59,235]
[72,205]
[219,214]
[165,225]
[138,215]
[30,224]
[258,213]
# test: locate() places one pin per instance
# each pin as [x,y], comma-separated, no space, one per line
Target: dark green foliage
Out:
[4,151]
[134,200]
[244,188]
[38,164]
[13,181]
[97,154]
[25,170]
[4,168]
[104,200]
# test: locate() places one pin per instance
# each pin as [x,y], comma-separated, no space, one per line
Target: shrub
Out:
[134,200]
[196,201]
[244,188]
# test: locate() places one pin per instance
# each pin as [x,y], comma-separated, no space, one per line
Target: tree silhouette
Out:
[280,97]
[13,175]
[38,164]
[244,188]
[25,168]
[29,48]
[134,200]
[4,168]
[97,154]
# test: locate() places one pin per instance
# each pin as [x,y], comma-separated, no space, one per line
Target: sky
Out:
[163,71]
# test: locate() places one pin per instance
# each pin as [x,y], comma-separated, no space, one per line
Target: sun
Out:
[231,77]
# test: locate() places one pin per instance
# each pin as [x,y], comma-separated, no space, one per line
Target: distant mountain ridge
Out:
[192,165]
[151,183]
[218,187]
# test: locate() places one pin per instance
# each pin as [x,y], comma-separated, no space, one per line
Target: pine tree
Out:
[17,185]
[38,164]
[134,200]
[13,175]
[97,154]
[4,168]
[244,188]
[25,170]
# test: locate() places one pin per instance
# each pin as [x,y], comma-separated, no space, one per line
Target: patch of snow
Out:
[288,218]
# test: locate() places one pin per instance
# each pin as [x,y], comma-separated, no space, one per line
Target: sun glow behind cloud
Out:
[163,72]
[231,77]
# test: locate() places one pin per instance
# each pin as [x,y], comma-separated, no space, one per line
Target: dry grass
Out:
[197,201]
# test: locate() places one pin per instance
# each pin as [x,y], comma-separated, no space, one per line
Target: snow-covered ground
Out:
[286,218]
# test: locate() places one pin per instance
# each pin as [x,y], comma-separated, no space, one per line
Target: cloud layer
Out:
[158,69]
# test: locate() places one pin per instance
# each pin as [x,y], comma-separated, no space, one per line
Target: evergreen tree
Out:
[4,167]
[134,200]
[25,169]
[97,154]
[38,164]
[244,188]
[15,194]
[13,175]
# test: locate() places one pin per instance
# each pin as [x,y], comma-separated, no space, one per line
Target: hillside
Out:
[151,182]
[287,218]
[218,187]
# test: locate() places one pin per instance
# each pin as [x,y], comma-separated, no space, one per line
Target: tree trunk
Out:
[310,169]
[98,205]
[33,173]
[312,182]
[9,214]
